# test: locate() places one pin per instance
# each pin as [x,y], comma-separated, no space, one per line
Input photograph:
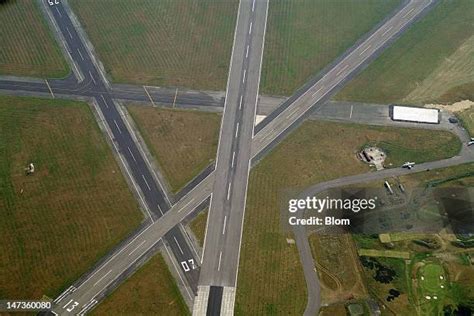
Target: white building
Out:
[414,114]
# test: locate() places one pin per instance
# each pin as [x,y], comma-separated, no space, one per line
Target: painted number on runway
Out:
[53,2]
[188,265]
[71,306]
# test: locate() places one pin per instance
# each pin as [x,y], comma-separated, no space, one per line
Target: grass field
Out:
[417,68]
[198,226]
[150,291]
[431,288]
[59,221]
[304,36]
[183,142]
[167,43]
[270,276]
[467,119]
[28,48]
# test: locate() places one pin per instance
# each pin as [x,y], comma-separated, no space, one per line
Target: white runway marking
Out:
[365,49]
[228,190]
[118,128]
[57,10]
[233,158]
[250,29]
[103,99]
[253,5]
[406,14]
[159,209]
[103,277]
[225,223]
[219,264]
[135,249]
[69,32]
[316,92]
[177,243]
[92,77]
[342,70]
[350,115]
[247,52]
[240,105]
[133,157]
[184,207]
[149,189]
[79,51]
[245,73]
[388,30]
[149,96]
[49,87]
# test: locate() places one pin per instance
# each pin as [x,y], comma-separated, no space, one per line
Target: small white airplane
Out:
[471,142]
[408,165]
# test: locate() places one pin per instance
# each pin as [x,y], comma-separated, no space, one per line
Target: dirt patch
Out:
[454,107]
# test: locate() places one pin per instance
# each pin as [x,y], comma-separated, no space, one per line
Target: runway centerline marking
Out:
[159,209]
[247,52]
[317,91]
[103,99]
[69,32]
[240,105]
[186,205]
[146,182]
[368,46]
[253,5]
[237,130]
[79,51]
[233,158]
[388,30]
[245,73]
[118,128]
[102,277]
[342,70]
[219,264]
[250,29]
[177,243]
[57,10]
[133,157]
[134,249]
[228,190]
[225,223]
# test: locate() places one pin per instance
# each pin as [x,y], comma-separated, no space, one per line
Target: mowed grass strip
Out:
[415,55]
[270,279]
[59,221]
[150,291]
[28,48]
[304,36]
[467,119]
[184,43]
[198,226]
[183,142]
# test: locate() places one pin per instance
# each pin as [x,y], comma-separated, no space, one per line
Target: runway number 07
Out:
[188,265]
[53,2]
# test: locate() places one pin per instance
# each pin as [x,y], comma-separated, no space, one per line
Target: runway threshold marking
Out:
[135,249]
[149,96]
[406,14]
[177,243]
[102,277]
[49,87]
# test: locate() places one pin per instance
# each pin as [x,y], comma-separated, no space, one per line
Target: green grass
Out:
[28,48]
[184,43]
[150,291]
[467,119]
[304,36]
[270,276]
[198,226]
[416,55]
[59,221]
[429,285]
[183,142]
